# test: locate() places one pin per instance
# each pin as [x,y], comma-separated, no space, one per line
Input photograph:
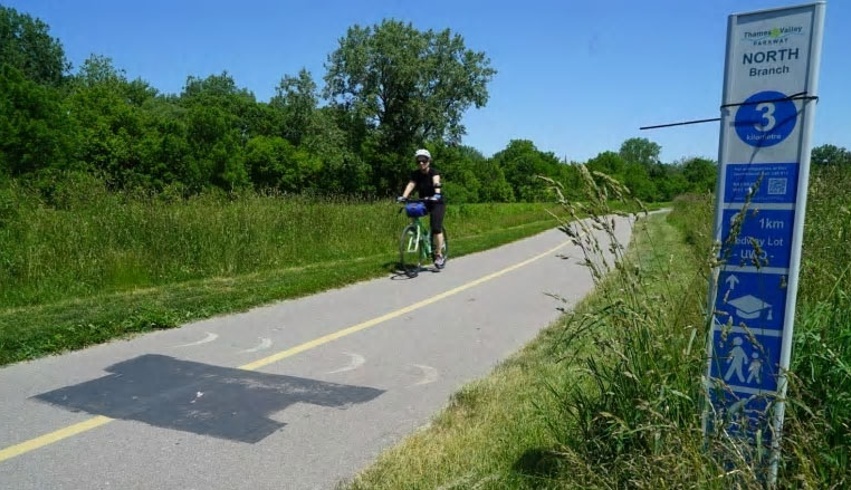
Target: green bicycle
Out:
[415,245]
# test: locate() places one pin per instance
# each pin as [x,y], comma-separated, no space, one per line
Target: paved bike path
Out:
[299,394]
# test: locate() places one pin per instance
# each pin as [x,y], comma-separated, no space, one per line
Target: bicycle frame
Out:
[417,241]
[423,237]
[422,241]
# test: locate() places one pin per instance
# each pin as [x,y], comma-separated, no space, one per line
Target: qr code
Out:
[777,186]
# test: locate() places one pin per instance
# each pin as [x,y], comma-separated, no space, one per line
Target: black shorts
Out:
[436,209]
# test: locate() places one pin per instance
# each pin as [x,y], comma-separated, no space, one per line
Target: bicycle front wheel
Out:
[410,254]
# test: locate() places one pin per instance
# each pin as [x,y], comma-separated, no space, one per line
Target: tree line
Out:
[388,88]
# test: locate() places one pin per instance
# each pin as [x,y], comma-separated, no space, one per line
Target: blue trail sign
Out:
[770,84]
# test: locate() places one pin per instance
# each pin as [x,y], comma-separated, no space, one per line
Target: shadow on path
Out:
[221,402]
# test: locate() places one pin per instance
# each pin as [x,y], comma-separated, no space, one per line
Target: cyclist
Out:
[426,180]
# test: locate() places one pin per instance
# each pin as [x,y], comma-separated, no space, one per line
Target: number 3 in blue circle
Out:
[764,120]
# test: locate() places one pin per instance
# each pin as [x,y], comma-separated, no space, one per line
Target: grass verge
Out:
[29,332]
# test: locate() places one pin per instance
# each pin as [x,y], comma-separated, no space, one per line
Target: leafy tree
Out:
[409,86]
[522,164]
[108,110]
[221,118]
[636,178]
[275,163]
[167,156]
[316,131]
[216,144]
[221,86]
[244,114]
[295,98]
[35,130]
[26,44]
[494,186]
[641,151]
[567,175]
[609,163]
[671,184]
[701,174]
[830,155]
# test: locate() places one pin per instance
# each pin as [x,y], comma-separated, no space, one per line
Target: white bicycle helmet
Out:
[423,153]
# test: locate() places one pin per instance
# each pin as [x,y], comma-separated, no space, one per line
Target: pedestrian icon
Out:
[735,360]
[746,360]
[750,307]
[755,368]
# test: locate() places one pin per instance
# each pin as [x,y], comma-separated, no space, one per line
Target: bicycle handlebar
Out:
[407,200]
[410,200]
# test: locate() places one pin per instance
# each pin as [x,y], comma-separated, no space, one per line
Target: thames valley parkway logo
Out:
[773,36]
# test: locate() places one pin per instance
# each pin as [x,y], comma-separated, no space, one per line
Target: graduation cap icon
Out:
[750,307]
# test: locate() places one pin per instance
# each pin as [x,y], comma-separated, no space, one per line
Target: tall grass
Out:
[826,254]
[635,417]
[629,417]
[88,241]
[820,422]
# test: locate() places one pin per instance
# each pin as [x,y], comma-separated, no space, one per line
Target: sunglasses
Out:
[422,160]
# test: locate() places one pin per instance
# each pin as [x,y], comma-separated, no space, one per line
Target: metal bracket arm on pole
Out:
[798,96]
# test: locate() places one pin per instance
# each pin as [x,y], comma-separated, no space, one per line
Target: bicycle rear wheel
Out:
[410,254]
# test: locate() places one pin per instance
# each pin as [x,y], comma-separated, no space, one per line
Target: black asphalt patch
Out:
[203,399]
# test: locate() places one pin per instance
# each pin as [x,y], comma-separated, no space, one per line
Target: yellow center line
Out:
[99,420]
[71,430]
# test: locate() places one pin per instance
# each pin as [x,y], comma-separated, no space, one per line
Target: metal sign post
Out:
[770,81]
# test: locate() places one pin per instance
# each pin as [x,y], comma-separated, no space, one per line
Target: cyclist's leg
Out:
[436,223]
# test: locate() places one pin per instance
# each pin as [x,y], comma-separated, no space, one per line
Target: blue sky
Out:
[576,78]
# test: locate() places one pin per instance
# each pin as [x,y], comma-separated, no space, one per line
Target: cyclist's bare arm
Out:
[408,189]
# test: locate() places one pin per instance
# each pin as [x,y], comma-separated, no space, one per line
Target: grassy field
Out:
[89,265]
[609,396]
